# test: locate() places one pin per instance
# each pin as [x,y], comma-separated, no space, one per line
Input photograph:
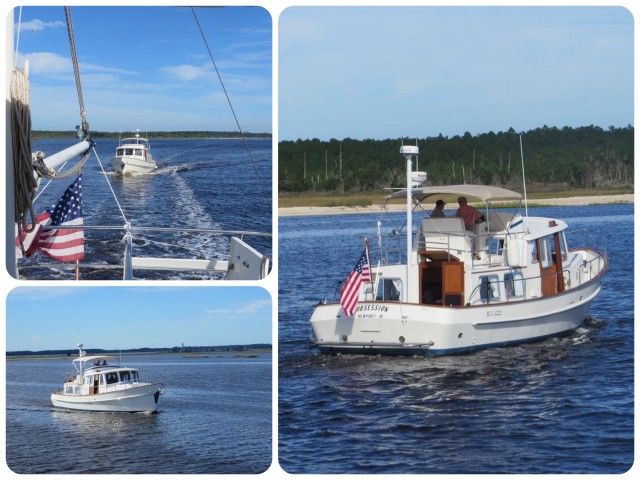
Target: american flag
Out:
[351,289]
[65,245]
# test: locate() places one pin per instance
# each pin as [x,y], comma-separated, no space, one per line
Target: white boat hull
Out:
[141,398]
[126,165]
[411,329]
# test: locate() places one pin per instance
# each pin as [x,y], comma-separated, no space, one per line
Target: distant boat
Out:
[133,155]
[505,280]
[98,386]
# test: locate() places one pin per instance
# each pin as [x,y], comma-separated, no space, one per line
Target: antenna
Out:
[524,181]
[409,152]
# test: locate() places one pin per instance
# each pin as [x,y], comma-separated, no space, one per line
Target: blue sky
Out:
[389,72]
[44,318]
[148,67]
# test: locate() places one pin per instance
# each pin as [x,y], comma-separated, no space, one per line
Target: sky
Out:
[111,318]
[391,72]
[148,68]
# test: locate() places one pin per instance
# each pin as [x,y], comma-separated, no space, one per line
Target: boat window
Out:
[135,376]
[545,251]
[563,247]
[138,152]
[112,378]
[534,251]
[489,288]
[391,290]
[129,151]
[514,284]
[495,246]
[125,376]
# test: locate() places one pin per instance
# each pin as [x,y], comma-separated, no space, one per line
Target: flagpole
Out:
[78,261]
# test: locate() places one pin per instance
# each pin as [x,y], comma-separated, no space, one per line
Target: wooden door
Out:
[452,284]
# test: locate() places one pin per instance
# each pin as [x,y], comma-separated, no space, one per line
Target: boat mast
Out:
[408,151]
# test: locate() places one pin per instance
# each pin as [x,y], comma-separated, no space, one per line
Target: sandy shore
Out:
[578,201]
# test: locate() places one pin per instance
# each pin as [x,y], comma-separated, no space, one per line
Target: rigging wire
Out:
[15,56]
[110,187]
[215,66]
[76,70]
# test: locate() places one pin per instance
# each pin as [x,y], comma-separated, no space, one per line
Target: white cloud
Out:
[187,72]
[245,309]
[47,64]
[36,25]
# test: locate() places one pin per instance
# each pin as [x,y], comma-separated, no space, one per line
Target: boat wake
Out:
[166,168]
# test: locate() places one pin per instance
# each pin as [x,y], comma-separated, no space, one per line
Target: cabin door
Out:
[548,273]
[431,283]
[442,283]
[452,284]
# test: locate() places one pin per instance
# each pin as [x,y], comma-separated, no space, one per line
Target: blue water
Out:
[200,183]
[214,418]
[561,406]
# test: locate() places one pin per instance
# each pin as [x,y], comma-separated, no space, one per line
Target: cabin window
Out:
[534,252]
[138,152]
[495,246]
[128,151]
[135,376]
[125,376]
[563,247]
[545,252]
[112,378]
[514,284]
[489,288]
[390,291]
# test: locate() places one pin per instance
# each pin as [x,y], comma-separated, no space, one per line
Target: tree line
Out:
[584,157]
[99,351]
[43,134]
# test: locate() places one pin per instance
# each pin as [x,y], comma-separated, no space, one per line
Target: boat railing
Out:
[129,263]
[586,272]
[116,387]
[465,243]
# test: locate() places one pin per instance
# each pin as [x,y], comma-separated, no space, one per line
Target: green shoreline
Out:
[186,354]
[325,200]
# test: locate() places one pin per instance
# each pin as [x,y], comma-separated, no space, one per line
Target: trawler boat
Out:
[133,155]
[506,280]
[99,386]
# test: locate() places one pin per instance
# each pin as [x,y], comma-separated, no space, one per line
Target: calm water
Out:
[203,183]
[561,406]
[215,417]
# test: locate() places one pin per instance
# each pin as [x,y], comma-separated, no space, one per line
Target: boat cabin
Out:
[96,375]
[506,258]
[133,147]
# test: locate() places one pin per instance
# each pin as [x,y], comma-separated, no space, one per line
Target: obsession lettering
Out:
[372,308]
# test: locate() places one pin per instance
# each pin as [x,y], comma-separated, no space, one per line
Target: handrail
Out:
[129,264]
[158,229]
[565,272]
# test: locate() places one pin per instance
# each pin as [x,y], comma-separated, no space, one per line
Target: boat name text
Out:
[372,308]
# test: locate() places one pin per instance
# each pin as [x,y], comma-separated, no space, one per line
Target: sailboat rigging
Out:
[242,261]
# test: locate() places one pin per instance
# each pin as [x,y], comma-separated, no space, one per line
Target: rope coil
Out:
[25,183]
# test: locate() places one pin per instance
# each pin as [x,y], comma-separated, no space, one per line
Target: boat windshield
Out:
[136,141]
